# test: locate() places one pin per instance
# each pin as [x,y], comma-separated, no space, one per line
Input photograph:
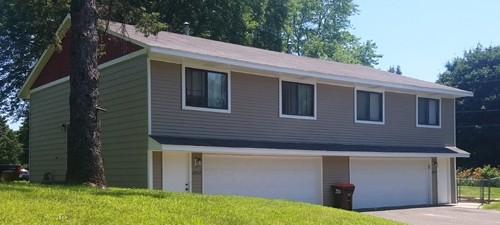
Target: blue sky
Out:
[422,35]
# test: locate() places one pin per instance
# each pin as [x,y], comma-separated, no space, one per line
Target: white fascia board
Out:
[233,62]
[290,152]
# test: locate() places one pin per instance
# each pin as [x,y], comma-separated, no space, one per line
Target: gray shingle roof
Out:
[329,147]
[281,61]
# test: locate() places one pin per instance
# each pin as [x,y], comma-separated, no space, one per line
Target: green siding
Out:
[124,127]
[49,110]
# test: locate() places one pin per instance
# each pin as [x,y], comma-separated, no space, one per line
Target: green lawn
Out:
[493,205]
[24,203]
[472,191]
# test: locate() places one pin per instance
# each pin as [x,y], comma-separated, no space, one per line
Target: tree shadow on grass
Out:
[129,193]
[15,186]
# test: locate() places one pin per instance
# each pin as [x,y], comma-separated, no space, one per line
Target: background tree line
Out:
[478,117]
[316,28]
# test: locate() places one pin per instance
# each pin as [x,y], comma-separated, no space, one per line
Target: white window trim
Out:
[356,89]
[416,112]
[186,107]
[296,116]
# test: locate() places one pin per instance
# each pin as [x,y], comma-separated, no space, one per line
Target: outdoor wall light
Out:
[197,161]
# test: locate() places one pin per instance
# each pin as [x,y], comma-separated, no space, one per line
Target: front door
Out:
[176,171]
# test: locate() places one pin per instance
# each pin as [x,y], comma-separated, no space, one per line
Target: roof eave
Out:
[452,93]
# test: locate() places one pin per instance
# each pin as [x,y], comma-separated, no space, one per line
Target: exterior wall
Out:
[49,110]
[124,127]
[157,171]
[434,180]
[335,171]
[58,65]
[453,181]
[125,124]
[196,174]
[255,115]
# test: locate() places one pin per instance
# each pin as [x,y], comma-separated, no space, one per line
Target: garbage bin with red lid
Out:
[342,196]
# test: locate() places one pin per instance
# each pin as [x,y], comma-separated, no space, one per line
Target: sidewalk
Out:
[468,205]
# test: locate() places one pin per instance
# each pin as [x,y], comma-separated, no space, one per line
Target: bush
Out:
[489,172]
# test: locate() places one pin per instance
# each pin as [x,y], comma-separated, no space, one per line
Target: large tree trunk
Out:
[85,163]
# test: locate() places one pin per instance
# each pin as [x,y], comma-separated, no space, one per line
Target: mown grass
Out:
[493,205]
[474,192]
[25,203]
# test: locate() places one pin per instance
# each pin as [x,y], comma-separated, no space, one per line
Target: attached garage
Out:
[294,178]
[388,182]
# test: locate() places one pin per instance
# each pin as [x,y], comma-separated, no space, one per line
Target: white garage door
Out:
[385,182]
[294,178]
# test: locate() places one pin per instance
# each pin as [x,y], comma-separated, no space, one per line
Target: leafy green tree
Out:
[320,29]
[23,139]
[10,148]
[26,27]
[391,69]
[478,117]
[396,70]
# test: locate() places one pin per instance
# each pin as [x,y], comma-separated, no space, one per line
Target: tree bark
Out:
[84,163]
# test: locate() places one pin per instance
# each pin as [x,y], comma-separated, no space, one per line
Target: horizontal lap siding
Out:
[335,171]
[123,90]
[49,110]
[125,124]
[255,115]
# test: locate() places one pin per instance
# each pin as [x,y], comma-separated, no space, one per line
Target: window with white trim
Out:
[428,111]
[206,89]
[297,99]
[369,106]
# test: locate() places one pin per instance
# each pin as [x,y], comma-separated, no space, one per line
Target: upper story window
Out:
[206,90]
[428,112]
[298,100]
[369,107]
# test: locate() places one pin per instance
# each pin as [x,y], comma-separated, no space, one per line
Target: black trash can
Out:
[342,196]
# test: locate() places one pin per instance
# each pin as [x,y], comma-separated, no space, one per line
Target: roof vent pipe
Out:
[289,47]
[186,28]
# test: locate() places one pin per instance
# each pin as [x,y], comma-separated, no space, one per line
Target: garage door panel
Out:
[295,178]
[385,182]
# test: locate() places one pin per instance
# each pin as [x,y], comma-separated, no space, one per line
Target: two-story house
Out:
[195,115]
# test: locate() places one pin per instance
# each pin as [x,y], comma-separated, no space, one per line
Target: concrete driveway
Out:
[462,213]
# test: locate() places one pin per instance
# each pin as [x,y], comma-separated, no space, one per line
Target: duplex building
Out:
[194,115]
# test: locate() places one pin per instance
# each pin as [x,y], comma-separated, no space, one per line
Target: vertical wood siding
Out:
[255,115]
[157,171]
[453,181]
[123,90]
[196,176]
[434,181]
[335,171]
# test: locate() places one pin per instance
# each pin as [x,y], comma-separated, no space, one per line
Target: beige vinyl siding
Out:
[196,176]
[49,110]
[123,90]
[335,171]
[255,115]
[157,171]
